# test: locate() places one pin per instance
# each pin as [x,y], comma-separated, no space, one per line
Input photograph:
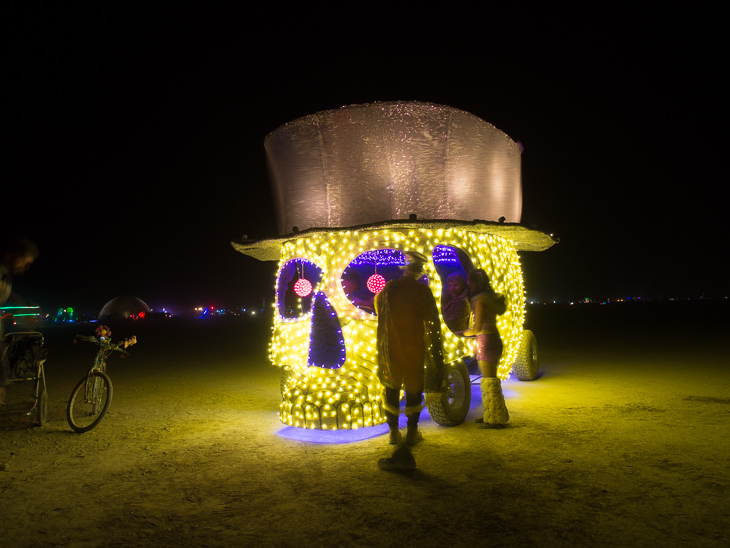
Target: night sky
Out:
[136,135]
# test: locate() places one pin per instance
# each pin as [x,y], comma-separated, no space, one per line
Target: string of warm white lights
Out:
[348,395]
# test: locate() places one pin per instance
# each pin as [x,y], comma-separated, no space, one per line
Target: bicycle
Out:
[90,400]
[26,353]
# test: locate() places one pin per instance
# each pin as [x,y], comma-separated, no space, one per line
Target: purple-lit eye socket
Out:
[294,287]
[368,273]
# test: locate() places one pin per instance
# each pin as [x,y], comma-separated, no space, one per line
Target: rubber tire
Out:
[78,390]
[453,406]
[526,366]
[41,410]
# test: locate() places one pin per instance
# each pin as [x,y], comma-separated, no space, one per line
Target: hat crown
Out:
[370,163]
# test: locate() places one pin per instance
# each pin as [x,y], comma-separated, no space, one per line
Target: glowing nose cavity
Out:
[326,343]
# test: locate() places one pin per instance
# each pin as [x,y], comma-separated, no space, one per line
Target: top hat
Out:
[370,163]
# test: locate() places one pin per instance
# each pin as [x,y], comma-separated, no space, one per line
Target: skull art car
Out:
[325,324]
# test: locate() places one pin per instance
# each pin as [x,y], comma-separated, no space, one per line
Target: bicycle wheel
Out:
[451,409]
[89,402]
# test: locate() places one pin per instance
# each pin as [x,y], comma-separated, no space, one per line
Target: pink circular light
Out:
[376,283]
[302,287]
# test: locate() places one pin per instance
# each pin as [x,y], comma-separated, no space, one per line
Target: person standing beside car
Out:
[487,305]
[16,259]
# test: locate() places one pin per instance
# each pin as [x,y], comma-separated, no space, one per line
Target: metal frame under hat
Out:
[415,261]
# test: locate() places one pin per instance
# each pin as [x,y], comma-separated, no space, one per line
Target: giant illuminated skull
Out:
[348,177]
[324,333]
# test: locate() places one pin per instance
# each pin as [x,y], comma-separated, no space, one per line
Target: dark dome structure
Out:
[123,307]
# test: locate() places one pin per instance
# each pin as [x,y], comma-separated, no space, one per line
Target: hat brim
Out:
[525,239]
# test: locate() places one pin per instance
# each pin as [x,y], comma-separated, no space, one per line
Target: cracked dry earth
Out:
[623,440]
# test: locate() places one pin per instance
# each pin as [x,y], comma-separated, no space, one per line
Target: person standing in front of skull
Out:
[408,333]
[486,306]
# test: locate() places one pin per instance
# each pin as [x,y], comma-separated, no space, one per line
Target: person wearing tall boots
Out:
[486,305]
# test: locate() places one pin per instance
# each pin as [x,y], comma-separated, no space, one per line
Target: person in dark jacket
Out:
[409,335]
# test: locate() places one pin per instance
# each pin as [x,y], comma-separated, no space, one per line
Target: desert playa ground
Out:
[623,440]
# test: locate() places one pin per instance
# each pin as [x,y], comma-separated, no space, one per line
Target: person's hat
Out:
[456,275]
[415,261]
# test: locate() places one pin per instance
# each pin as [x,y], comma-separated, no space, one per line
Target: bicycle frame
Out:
[92,388]
[97,387]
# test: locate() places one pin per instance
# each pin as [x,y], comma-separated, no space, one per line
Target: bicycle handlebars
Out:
[106,343]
